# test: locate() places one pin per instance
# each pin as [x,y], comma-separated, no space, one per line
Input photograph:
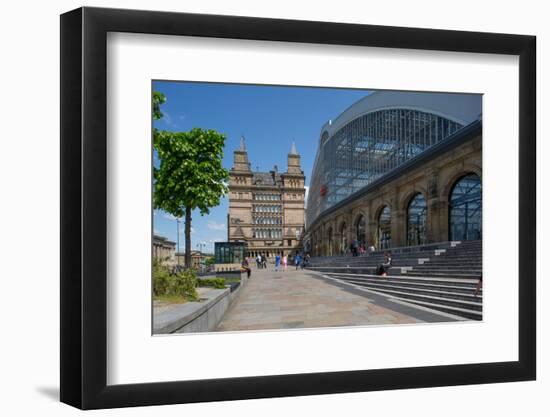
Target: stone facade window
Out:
[465,206]
[416,221]
[384,228]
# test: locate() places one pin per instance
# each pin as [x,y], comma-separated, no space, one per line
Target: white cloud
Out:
[168,216]
[173,122]
[167,119]
[212,225]
[217,239]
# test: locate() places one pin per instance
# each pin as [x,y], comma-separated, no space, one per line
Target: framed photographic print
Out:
[257,208]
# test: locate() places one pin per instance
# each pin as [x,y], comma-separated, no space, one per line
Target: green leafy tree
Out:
[190,174]
[158,99]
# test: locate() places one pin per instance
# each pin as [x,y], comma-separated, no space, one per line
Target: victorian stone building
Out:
[397,169]
[266,209]
[163,249]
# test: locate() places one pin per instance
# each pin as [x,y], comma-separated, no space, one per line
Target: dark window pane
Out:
[465,206]
[416,221]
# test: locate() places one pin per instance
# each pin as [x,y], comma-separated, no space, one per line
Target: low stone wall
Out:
[199,316]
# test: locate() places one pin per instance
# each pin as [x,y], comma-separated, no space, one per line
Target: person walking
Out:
[259,261]
[277,262]
[264,261]
[246,267]
[298,261]
[285,262]
[306,260]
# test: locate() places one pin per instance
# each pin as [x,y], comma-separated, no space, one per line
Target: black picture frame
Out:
[84,207]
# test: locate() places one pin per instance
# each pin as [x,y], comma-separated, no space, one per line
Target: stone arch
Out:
[408,196]
[415,223]
[379,208]
[450,180]
[358,213]
[341,233]
[382,235]
[339,222]
[357,217]
[403,206]
[464,219]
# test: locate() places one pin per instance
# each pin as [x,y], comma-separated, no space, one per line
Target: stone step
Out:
[418,267]
[460,260]
[439,263]
[443,294]
[447,285]
[446,268]
[461,312]
[466,309]
[460,282]
[431,257]
[468,305]
[443,275]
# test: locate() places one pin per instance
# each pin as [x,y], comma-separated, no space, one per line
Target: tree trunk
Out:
[187,238]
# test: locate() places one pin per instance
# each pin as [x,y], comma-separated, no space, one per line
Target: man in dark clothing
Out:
[264,261]
[385,266]
[246,267]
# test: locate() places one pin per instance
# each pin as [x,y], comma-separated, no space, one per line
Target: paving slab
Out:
[302,299]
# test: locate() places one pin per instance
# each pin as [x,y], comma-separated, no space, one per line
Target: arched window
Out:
[360,230]
[384,228]
[343,238]
[465,209]
[329,235]
[416,221]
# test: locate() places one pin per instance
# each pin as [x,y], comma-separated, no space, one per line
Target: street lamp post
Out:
[200,245]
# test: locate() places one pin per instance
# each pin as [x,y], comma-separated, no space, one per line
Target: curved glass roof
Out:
[358,151]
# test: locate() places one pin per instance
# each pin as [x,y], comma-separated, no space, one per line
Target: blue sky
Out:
[270,118]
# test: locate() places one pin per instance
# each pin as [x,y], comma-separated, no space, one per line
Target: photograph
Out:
[298,207]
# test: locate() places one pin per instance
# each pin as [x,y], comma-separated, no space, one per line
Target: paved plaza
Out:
[302,299]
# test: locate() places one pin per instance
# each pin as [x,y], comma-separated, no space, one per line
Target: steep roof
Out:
[266,178]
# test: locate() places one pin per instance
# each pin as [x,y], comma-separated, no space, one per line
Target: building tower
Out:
[294,199]
[240,158]
[240,181]
[266,209]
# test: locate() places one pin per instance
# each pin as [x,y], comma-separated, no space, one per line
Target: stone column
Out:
[397,217]
[323,240]
[398,226]
[318,241]
[372,233]
[436,221]
[349,230]
[337,237]
[334,244]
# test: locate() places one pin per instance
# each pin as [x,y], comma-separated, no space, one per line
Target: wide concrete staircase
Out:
[461,261]
[440,276]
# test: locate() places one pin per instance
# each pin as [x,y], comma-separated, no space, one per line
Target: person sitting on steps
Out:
[382,269]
